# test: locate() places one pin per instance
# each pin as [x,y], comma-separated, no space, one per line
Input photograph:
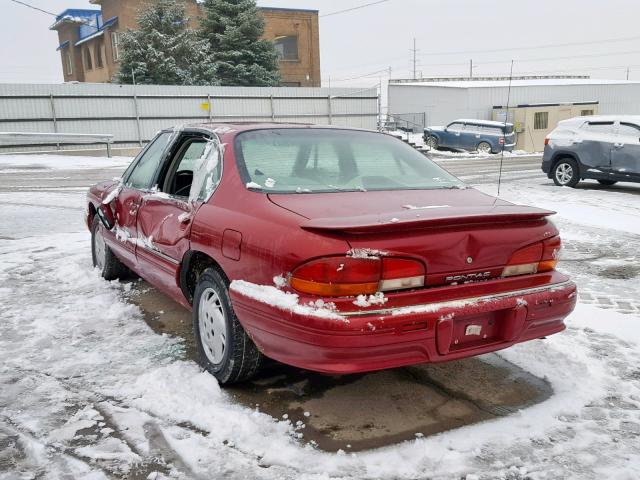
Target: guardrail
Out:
[35,138]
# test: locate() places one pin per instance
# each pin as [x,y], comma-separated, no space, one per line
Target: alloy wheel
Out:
[564,173]
[99,248]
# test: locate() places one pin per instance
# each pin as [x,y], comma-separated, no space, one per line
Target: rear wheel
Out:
[432,142]
[607,183]
[225,350]
[565,173]
[103,258]
[484,147]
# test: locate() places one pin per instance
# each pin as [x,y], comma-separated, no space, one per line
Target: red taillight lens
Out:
[539,257]
[546,141]
[501,141]
[348,276]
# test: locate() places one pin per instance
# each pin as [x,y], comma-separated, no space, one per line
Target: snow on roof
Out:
[489,123]
[75,15]
[515,83]
[605,118]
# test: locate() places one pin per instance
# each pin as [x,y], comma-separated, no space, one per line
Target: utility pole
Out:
[414,58]
[471,69]
[627,73]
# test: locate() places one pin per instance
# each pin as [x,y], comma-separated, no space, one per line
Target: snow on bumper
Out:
[366,340]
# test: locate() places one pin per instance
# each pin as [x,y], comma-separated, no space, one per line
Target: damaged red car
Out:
[331,249]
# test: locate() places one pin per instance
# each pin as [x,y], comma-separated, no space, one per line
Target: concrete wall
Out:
[133,114]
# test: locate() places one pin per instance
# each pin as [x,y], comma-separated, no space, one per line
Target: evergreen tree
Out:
[234,29]
[164,51]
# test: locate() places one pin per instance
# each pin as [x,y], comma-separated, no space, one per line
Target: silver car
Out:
[604,148]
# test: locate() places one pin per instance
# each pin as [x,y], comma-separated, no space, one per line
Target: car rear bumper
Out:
[375,339]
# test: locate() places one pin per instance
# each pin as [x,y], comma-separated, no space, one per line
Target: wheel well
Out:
[193,264]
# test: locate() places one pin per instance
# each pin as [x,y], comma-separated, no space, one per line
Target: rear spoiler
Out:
[428,218]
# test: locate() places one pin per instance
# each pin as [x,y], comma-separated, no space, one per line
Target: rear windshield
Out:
[300,160]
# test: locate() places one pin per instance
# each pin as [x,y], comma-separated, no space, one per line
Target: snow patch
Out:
[364,301]
[369,253]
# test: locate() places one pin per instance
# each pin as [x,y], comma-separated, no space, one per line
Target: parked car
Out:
[330,249]
[603,148]
[483,136]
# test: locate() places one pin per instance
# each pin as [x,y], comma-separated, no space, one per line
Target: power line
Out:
[38,9]
[354,8]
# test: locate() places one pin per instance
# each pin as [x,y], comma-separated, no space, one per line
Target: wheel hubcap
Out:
[212,326]
[99,248]
[564,173]
[484,148]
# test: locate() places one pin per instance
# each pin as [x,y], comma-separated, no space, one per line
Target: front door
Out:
[136,183]
[625,154]
[164,217]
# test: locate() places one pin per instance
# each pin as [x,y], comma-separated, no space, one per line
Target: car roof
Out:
[238,127]
[475,121]
[604,118]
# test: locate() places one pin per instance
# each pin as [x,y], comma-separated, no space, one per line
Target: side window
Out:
[178,175]
[629,130]
[600,128]
[455,127]
[471,128]
[145,168]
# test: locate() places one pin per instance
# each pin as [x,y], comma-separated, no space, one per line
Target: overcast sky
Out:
[362,42]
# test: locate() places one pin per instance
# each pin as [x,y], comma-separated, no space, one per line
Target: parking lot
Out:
[99,378]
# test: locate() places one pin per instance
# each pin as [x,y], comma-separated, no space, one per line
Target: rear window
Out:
[298,160]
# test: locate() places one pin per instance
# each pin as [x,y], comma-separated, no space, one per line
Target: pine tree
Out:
[234,29]
[164,51]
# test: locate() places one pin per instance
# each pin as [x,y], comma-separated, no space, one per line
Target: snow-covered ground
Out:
[88,390]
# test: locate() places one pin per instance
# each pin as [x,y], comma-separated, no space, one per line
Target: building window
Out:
[66,62]
[287,47]
[88,64]
[98,54]
[586,113]
[541,120]
[115,46]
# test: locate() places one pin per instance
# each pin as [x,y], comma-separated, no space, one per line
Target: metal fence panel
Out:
[133,114]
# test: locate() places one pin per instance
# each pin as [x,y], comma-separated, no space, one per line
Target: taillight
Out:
[501,141]
[348,276]
[539,257]
[546,141]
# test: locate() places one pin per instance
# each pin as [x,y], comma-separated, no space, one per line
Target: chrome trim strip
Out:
[160,254]
[456,303]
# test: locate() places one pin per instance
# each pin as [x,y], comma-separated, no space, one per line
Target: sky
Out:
[590,37]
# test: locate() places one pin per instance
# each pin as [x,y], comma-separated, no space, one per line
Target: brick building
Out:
[89,40]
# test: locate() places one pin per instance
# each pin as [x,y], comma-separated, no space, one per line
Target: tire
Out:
[432,142]
[565,173]
[607,183]
[484,147]
[101,255]
[224,348]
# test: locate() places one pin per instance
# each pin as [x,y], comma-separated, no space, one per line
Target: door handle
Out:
[618,145]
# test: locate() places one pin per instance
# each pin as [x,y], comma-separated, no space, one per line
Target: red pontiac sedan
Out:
[331,249]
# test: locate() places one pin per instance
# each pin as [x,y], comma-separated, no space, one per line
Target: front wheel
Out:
[565,173]
[607,183]
[224,348]
[432,142]
[103,258]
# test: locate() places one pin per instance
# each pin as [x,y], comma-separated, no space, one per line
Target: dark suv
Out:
[603,148]
[485,136]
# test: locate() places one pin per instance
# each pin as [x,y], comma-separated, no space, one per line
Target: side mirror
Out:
[105,214]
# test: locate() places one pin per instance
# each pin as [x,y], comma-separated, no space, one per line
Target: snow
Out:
[544,82]
[286,301]
[364,301]
[88,390]
[14,163]
[370,253]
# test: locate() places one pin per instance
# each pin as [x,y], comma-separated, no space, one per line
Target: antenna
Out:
[504,139]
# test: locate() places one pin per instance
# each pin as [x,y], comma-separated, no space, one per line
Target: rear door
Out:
[594,143]
[136,182]
[625,154]
[164,218]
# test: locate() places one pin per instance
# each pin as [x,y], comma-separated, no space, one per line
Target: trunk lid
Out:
[461,235]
